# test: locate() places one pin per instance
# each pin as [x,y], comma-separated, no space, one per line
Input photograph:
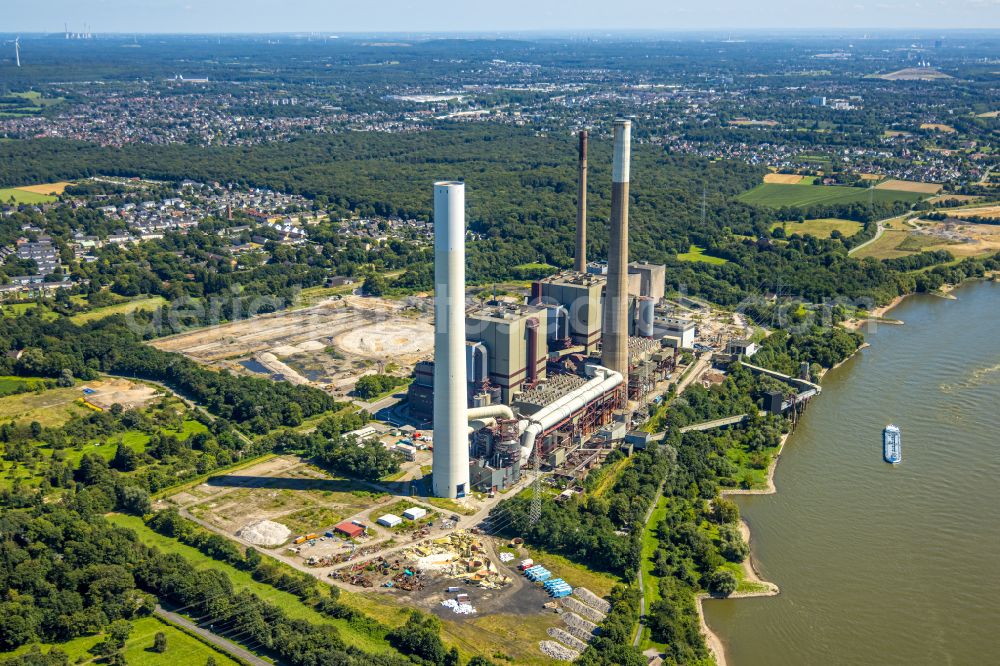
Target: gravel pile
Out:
[557,651]
[592,600]
[566,638]
[461,609]
[583,609]
[575,621]
[264,533]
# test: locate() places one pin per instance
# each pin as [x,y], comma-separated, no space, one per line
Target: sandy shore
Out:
[875,314]
[750,573]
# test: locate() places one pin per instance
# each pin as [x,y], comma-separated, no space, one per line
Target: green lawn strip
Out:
[780,194]
[242,580]
[696,253]
[182,648]
[148,304]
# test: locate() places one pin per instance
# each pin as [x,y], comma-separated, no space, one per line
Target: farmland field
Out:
[46,188]
[909,186]
[783,178]
[777,195]
[983,211]
[182,648]
[24,196]
[821,228]
[938,127]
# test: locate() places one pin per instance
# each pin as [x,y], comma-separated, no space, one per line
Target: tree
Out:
[375,285]
[731,544]
[160,642]
[722,583]
[66,377]
[419,637]
[125,460]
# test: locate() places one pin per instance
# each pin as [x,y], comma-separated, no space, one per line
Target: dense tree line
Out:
[256,404]
[588,529]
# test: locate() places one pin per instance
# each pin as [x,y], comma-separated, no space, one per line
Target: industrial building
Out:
[680,332]
[519,383]
[513,347]
[652,280]
[580,295]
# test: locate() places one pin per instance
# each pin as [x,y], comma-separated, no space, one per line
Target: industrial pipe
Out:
[604,380]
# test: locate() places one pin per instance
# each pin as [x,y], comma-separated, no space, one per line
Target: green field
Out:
[149,304]
[18,309]
[182,648]
[50,408]
[820,228]
[777,195]
[650,542]
[21,196]
[242,580]
[696,253]
[11,385]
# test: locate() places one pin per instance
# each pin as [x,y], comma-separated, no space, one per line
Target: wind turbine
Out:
[17,50]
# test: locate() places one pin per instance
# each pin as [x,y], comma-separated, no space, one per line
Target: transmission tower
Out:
[536,490]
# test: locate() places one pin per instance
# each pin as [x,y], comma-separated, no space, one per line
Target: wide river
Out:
[882,564]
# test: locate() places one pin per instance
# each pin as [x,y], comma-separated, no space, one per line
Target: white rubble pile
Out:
[583,609]
[566,638]
[557,651]
[461,609]
[264,533]
[591,599]
[506,557]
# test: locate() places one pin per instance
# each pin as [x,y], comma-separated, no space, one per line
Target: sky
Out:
[343,16]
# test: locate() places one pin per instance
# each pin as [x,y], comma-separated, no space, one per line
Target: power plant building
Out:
[580,294]
[515,338]
[652,280]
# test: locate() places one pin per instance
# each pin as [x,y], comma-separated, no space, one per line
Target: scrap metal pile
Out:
[381,571]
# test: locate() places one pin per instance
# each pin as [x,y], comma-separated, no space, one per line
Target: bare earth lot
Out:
[328,344]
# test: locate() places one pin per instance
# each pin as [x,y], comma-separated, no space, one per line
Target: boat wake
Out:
[979,377]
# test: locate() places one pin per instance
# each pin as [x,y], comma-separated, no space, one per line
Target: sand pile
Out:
[264,533]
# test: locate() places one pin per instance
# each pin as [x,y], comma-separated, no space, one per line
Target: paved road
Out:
[878,234]
[223,644]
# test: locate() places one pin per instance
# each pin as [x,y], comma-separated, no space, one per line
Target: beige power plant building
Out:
[580,294]
[515,337]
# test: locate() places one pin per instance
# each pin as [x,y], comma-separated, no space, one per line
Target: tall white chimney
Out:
[451,439]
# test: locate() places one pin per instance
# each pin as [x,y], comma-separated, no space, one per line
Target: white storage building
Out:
[414,513]
[389,520]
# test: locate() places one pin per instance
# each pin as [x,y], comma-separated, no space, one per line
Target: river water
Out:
[879,564]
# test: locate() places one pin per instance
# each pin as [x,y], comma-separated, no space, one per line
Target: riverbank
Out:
[750,572]
[843,567]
